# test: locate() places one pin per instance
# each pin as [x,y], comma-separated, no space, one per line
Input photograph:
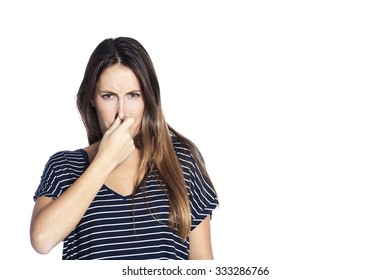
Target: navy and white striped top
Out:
[122,227]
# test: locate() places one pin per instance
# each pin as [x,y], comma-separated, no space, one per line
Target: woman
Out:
[140,190]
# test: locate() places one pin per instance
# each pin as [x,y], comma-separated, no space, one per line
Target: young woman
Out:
[140,190]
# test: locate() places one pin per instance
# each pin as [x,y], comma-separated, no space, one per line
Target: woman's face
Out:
[118,93]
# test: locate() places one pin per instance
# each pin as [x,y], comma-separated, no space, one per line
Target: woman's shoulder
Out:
[61,170]
[186,151]
[183,146]
[77,156]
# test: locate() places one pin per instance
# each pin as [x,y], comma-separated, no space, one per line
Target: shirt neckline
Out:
[86,159]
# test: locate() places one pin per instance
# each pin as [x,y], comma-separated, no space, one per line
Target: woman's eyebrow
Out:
[112,92]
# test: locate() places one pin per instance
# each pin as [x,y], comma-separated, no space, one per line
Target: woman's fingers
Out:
[128,123]
[117,143]
[114,125]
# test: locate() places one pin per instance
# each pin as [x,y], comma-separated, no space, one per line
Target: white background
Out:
[288,102]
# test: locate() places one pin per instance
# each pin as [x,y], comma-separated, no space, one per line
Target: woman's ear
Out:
[93,103]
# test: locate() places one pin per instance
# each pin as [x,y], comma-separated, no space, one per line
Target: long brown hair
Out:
[154,138]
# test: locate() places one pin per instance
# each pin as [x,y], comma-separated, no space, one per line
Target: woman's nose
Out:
[121,111]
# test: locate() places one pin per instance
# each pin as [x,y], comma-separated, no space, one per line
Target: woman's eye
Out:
[107,96]
[134,94]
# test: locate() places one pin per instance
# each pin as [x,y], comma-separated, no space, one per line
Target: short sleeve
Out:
[202,196]
[55,178]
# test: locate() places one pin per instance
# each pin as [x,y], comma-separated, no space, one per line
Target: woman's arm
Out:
[200,241]
[53,220]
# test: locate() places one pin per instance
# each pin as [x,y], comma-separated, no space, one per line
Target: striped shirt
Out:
[125,227]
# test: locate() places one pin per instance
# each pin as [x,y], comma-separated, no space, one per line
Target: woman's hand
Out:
[117,142]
